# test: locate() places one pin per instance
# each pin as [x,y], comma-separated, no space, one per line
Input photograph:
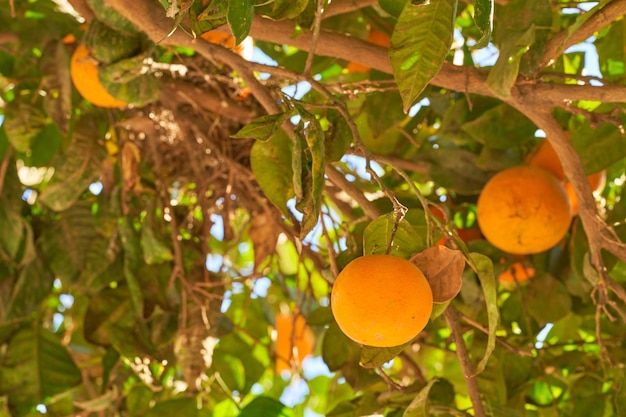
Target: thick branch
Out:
[148,17]
[451,77]
[83,9]
[452,318]
[210,102]
[598,233]
[557,45]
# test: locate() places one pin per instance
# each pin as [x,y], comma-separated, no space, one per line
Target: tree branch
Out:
[153,22]
[340,181]
[82,8]
[563,40]
[347,6]
[451,77]
[452,318]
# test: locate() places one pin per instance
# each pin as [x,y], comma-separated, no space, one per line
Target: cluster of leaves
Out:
[144,252]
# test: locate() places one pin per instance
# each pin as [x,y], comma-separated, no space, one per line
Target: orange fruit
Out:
[523,210]
[441,216]
[517,272]
[544,156]
[467,235]
[294,341]
[84,74]
[245,49]
[381,300]
[597,182]
[377,38]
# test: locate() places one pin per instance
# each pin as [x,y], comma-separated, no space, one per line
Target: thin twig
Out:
[452,318]
[317,24]
[4,166]
[502,342]
[331,251]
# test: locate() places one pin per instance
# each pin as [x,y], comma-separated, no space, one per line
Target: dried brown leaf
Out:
[443,267]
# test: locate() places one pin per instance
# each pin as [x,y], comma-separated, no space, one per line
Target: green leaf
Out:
[407,240]
[239,16]
[393,7]
[455,168]
[31,288]
[337,348]
[154,252]
[103,402]
[12,230]
[271,165]
[266,407]
[419,45]
[138,400]
[174,408]
[75,170]
[36,366]
[419,406]
[599,147]
[309,200]
[58,101]
[262,128]
[45,146]
[22,122]
[73,232]
[483,17]
[111,320]
[560,301]
[288,9]
[375,357]
[112,18]
[504,73]
[484,267]
[489,130]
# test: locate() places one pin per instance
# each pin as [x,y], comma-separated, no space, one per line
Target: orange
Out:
[544,156]
[517,272]
[245,49]
[294,341]
[377,38]
[381,300]
[597,182]
[441,216]
[467,235]
[523,210]
[84,74]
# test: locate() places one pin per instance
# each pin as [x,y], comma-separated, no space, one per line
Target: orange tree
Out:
[147,247]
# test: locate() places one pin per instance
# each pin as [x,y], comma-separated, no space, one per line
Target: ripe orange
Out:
[544,156]
[597,182]
[441,216]
[381,300]
[84,74]
[517,272]
[377,38]
[469,234]
[294,341]
[523,210]
[245,49]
